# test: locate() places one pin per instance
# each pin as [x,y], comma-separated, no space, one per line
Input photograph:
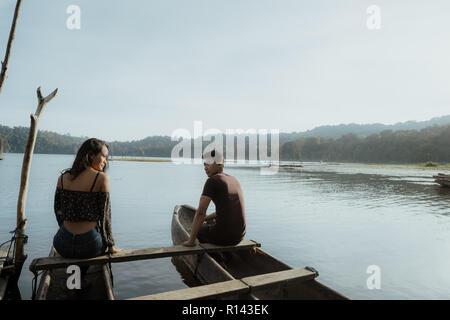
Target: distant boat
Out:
[442,179]
[288,166]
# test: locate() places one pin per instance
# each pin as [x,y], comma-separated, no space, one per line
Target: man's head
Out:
[213,162]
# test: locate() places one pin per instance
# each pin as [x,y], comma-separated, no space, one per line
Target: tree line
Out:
[401,146]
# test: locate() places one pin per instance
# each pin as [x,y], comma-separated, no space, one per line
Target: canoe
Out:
[443,183]
[4,278]
[213,268]
[442,179]
[96,284]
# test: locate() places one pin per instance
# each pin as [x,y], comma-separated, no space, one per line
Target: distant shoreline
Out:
[421,166]
[140,160]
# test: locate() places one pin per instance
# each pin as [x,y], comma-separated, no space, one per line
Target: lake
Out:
[338,218]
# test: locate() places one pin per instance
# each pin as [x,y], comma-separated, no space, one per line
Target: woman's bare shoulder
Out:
[103,176]
[59,181]
[104,181]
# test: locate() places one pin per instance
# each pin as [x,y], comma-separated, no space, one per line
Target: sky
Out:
[142,67]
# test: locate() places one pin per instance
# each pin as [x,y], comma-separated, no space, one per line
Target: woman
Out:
[82,205]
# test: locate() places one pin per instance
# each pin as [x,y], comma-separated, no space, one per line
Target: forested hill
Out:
[402,146]
[15,139]
[363,130]
[414,142]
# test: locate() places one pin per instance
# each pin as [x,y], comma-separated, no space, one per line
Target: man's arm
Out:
[198,220]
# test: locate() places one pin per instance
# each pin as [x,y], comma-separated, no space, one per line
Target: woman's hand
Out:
[113,250]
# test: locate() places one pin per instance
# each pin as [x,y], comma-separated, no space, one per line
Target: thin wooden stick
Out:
[9,46]
[21,221]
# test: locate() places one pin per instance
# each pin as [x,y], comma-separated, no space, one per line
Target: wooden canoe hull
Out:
[210,268]
[442,179]
[4,279]
[95,285]
[444,183]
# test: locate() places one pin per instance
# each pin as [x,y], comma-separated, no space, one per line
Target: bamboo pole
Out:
[21,221]
[9,46]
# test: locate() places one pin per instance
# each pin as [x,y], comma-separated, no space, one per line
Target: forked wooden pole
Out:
[9,45]
[21,221]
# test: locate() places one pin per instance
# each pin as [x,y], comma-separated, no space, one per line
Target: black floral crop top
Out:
[73,205]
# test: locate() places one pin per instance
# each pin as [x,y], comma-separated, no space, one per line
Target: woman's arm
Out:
[57,203]
[108,229]
[104,187]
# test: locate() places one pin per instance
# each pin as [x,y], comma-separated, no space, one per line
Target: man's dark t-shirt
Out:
[226,193]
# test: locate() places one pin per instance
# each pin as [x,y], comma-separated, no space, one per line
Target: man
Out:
[225,191]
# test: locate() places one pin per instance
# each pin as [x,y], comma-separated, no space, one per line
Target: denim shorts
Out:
[81,246]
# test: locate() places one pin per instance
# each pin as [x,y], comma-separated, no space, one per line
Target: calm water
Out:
[338,219]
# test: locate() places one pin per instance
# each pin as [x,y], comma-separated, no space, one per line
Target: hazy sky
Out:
[138,68]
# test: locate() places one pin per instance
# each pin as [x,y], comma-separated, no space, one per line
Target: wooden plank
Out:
[122,256]
[244,244]
[137,254]
[233,287]
[267,279]
[108,283]
[3,280]
[210,291]
[44,284]
[3,285]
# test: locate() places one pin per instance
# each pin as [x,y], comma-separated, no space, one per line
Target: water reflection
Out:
[370,190]
[338,219]
[185,273]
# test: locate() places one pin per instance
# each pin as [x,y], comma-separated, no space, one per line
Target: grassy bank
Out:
[415,166]
[420,166]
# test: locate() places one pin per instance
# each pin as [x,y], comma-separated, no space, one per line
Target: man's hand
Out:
[199,219]
[189,243]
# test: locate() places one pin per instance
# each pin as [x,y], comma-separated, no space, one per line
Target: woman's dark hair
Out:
[85,155]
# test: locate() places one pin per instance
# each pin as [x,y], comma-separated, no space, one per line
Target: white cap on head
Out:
[213,156]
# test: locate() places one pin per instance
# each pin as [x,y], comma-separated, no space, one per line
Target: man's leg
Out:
[204,234]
